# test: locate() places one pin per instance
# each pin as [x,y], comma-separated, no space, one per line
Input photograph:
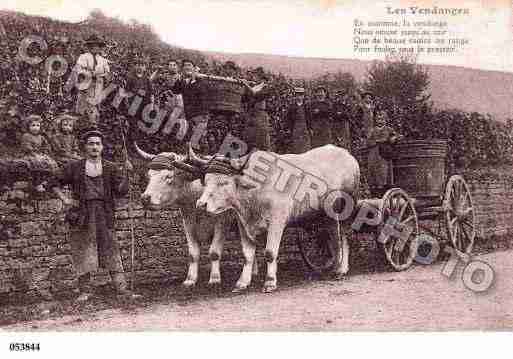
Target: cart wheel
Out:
[316,250]
[398,205]
[459,214]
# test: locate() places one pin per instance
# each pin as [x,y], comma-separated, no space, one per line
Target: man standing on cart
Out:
[380,169]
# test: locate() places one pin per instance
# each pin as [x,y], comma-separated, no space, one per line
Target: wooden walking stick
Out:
[129,209]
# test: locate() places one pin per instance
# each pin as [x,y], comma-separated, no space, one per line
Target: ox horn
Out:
[239,163]
[145,155]
[196,159]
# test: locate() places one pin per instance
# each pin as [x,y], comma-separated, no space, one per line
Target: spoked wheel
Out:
[459,214]
[398,214]
[316,250]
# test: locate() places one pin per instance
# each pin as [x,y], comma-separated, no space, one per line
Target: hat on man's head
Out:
[92,133]
[259,71]
[184,61]
[230,65]
[95,40]
[299,90]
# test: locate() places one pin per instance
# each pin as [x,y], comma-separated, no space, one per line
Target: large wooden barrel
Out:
[419,167]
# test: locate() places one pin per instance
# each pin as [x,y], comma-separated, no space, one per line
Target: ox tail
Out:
[356,183]
[339,231]
[356,180]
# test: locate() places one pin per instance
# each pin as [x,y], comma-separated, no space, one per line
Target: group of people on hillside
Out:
[94,182]
[310,124]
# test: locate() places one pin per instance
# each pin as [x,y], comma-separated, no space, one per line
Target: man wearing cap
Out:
[296,123]
[257,127]
[193,91]
[366,114]
[321,118]
[94,184]
[89,76]
[342,120]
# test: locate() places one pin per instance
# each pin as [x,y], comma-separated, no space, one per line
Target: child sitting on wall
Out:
[36,149]
[65,144]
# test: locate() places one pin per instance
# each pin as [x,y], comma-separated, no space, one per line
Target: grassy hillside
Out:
[474,137]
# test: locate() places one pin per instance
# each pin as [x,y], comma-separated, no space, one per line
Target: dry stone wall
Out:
[35,261]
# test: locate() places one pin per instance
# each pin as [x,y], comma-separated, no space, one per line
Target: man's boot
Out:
[119,282]
[84,286]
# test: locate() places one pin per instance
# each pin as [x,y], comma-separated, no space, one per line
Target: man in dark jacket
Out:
[321,118]
[296,123]
[342,120]
[193,91]
[94,183]
[139,83]
[366,115]
[257,126]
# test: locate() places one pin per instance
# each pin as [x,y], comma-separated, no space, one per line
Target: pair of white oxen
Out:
[265,191]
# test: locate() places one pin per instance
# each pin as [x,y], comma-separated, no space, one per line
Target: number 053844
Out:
[24,347]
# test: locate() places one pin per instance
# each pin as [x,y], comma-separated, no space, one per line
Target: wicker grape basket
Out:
[223,94]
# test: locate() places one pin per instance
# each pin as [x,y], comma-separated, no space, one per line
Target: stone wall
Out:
[493,201]
[35,258]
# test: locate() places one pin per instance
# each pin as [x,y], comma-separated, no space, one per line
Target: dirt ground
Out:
[420,298]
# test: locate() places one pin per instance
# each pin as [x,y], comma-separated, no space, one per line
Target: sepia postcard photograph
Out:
[302,168]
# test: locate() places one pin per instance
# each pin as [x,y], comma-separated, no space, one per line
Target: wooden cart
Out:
[423,195]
